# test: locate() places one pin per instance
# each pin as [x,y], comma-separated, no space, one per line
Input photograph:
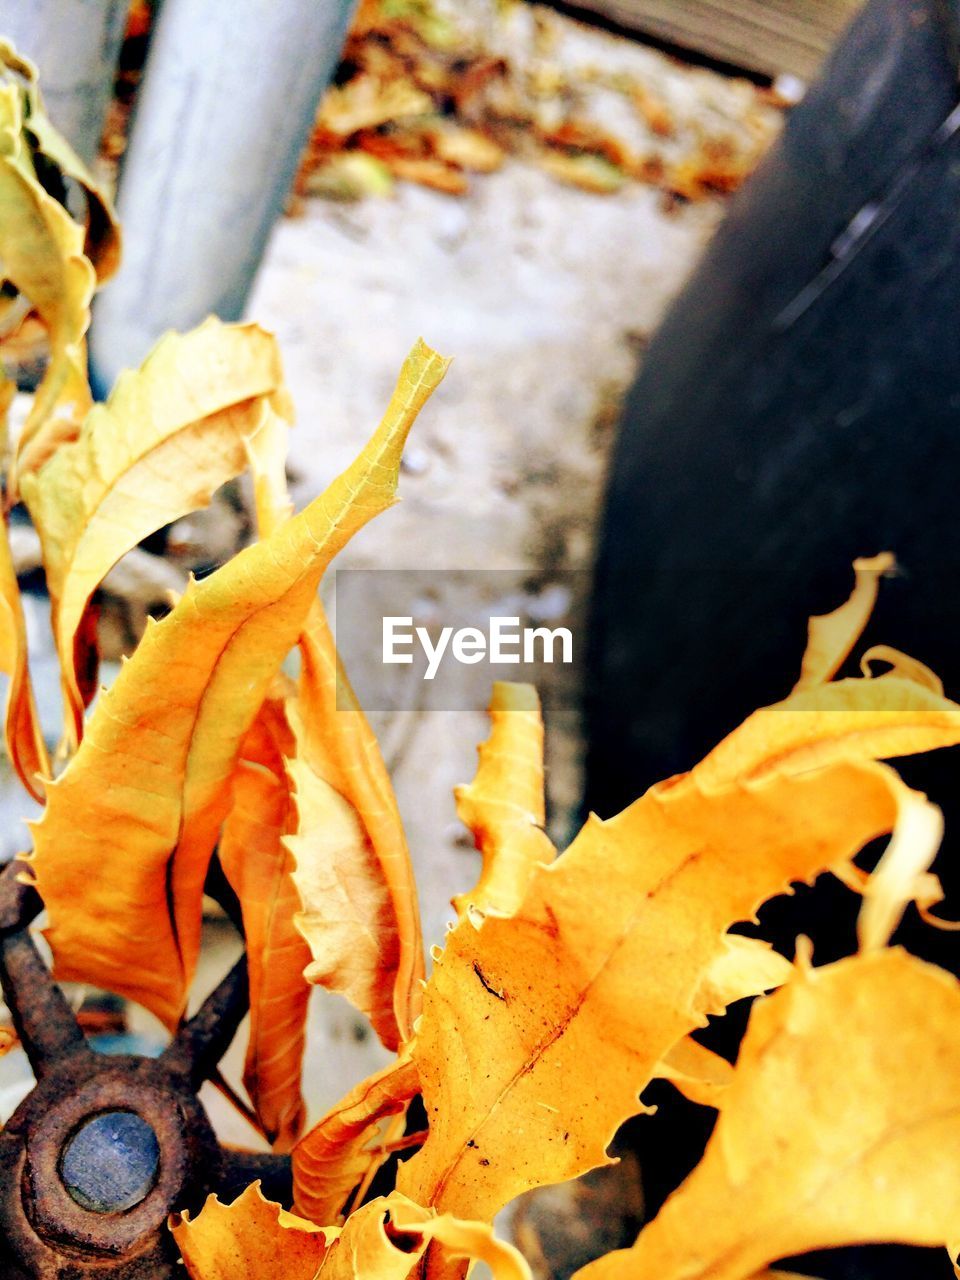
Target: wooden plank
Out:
[769,37]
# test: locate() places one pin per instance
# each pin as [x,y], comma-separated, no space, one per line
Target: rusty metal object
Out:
[105,1148]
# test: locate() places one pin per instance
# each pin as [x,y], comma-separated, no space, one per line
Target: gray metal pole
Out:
[75,44]
[228,98]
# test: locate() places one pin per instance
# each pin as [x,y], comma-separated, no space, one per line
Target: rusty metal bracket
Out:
[105,1148]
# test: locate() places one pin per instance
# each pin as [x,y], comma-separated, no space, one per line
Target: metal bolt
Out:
[111,1162]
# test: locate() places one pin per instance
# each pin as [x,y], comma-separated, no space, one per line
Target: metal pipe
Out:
[228,98]
[75,44]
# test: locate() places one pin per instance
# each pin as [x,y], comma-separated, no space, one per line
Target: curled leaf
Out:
[171,433]
[902,665]
[42,252]
[832,636]
[22,733]
[134,818]
[258,866]
[841,1126]
[333,1157]
[386,1239]
[902,875]
[504,805]
[337,747]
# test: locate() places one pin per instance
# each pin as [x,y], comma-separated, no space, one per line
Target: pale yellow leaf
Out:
[504,806]
[171,433]
[832,636]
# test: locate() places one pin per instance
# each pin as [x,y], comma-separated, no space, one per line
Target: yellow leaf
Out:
[338,748]
[333,1157]
[504,805]
[879,718]
[387,1238]
[744,967]
[42,252]
[341,777]
[132,821]
[258,866]
[832,635]
[171,433]
[253,1239]
[539,1031]
[841,1126]
[22,734]
[902,875]
[102,230]
[250,1239]
[700,1074]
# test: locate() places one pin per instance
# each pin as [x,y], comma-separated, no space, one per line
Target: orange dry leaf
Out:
[334,1156]
[375,956]
[385,1240]
[250,1239]
[258,866]
[848,1082]
[22,733]
[338,750]
[539,1031]
[171,433]
[832,635]
[504,805]
[133,820]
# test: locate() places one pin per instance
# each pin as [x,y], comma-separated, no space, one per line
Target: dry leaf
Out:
[832,635]
[504,805]
[22,733]
[841,1126]
[258,866]
[346,917]
[251,1239]
[700,1074]
[539,1031]
[848,719]
[101,228]
[134,818]
[171,433]
[341,775]
[902,875]
[42,252]
[334,1156]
